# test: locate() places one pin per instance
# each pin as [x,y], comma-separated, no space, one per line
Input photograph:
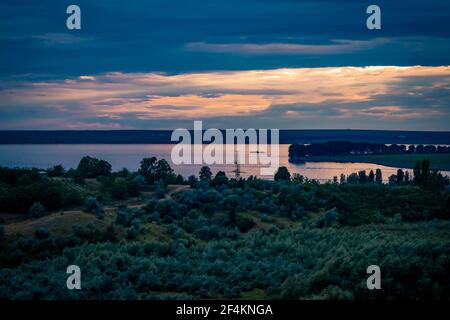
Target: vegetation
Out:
[152,235]
[392,155]
[340,148]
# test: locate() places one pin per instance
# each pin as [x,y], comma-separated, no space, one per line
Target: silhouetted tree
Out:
[362,177]
[205,174]
[282,174]
[148,169]
[407,178]
[378,176]
[92,168]
[400,177]
[164,172]
[371,178]
[192,180]
[219,179]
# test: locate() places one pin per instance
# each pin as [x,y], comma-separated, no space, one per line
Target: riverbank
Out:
[407,161]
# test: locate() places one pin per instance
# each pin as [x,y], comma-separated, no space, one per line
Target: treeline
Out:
[341,148]
[422,176]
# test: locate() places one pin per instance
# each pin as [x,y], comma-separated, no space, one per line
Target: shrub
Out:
[37,210]
[2,232]
[56,171]
[118,189]
[42,233]
[93,206]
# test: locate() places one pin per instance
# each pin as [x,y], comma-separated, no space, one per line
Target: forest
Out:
[153,234]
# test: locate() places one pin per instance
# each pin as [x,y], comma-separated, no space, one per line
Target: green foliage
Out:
[42,234]
[156,170]
[37,210]
[220,179]
[205,174]
[93,206]
[2,233]
[56,171]
[90,167]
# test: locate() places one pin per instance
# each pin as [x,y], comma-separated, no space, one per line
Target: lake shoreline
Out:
[406,161]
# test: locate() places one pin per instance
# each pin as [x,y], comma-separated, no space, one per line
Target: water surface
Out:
[129,156]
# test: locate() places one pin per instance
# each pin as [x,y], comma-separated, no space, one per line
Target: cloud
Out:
[355,97]
[334,47]
[59,38]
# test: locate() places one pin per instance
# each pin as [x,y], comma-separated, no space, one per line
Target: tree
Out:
[148,169]
[378,176]
[56,171]
[90,167]
[400,176]
[392,179]
[282,174]
[37,210]
[103,168]
[192,180]
[352,178]
[163,171]
[298,179]
[407,178]
[371,178]
[219,179]
[362,177]
[205,174]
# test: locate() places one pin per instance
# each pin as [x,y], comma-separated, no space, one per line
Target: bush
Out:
[37,210]
[42,234]
[2,232]
[119,189]
[93,206]
[56,171]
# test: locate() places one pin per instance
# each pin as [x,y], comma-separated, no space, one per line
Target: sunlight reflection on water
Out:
[129,156]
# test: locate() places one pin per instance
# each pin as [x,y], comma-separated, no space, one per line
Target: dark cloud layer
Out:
[181,36]
[106,75]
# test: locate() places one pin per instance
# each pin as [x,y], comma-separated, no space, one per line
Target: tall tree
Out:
[378,176]
[205,174]
[371,177]
[400,177]
[148,169]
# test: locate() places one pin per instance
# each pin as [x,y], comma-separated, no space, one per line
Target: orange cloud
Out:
[229,93]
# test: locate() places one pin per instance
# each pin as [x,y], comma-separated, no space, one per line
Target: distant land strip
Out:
[163,136]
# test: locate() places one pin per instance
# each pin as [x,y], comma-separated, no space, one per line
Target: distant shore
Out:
[406,161]
[164,136]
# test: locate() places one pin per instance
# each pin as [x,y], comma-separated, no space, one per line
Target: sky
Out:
[286,64]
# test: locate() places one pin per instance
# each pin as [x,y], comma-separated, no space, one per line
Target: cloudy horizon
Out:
[273,64]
